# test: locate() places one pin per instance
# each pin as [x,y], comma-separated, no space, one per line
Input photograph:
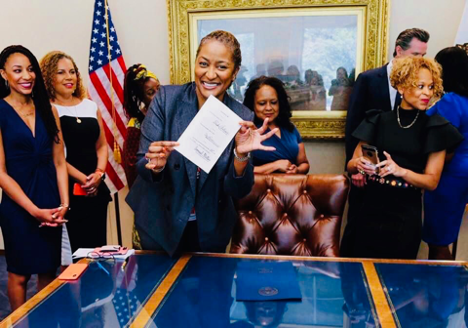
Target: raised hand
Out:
[250,138]
[157,154]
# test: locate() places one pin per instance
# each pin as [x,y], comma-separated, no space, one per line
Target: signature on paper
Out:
[221,127]
[202,153]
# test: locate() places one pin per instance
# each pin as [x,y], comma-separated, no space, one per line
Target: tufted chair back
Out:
[287,214]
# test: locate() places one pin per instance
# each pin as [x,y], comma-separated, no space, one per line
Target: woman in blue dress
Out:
[267,98]
[33,174]
[444,207]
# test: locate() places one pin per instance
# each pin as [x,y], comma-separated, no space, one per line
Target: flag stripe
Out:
[122,65]
[110,171]
[107,102]
[115,82]
[105,82]
[117,104]
[107,119]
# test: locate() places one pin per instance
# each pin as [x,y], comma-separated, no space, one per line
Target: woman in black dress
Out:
[411,149]
[33,174]
[86,150]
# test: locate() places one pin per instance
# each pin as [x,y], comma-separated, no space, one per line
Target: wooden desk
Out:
[198,290]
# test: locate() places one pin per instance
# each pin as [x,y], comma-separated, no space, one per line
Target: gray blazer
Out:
[162,204]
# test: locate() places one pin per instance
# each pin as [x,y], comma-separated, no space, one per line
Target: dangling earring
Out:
[6,84]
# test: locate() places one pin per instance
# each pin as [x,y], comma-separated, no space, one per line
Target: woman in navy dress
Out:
[33,174]
[444,207]
[267,98]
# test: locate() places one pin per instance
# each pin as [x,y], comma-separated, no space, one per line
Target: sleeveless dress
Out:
[388,222]
[28,248]
[87,218]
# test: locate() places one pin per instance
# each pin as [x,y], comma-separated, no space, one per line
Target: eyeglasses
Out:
[100,256]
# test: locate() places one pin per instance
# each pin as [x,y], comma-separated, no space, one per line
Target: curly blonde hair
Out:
[406,69]
[49,69]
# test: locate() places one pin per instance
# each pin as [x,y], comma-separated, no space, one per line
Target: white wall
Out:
[44,25]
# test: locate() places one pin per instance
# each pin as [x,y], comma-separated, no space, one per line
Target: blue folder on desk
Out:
[266,281]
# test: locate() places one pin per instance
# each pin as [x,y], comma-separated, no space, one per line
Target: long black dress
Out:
[87,219]
[389,221]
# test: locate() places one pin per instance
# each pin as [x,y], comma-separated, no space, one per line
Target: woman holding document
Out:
[179,207]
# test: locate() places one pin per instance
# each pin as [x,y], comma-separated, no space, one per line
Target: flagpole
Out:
[117,156]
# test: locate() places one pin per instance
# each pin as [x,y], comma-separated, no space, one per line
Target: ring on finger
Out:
[362,172]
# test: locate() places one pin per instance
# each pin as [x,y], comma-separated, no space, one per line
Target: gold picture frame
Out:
[370,19]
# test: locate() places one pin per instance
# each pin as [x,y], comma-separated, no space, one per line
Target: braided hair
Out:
[135,78]
[39,92]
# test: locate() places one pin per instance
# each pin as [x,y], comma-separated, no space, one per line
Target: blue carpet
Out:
[5,309]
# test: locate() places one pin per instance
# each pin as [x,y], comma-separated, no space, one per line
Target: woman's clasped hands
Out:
[54,217]
[92,183]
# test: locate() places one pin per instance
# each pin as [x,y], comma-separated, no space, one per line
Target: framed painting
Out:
[316,47]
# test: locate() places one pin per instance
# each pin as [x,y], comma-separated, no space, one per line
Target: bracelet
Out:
[64,205]
[160,170]
[241,159]
[101,172]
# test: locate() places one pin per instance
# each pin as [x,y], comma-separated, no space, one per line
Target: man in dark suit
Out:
[372,90]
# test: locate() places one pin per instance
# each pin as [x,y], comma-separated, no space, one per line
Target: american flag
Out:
[106,72]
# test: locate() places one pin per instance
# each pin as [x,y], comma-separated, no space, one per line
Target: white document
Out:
[209,133]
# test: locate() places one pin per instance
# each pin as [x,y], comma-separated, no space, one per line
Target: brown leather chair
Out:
[291,215]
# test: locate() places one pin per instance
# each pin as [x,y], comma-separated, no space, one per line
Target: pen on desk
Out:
[102,267]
